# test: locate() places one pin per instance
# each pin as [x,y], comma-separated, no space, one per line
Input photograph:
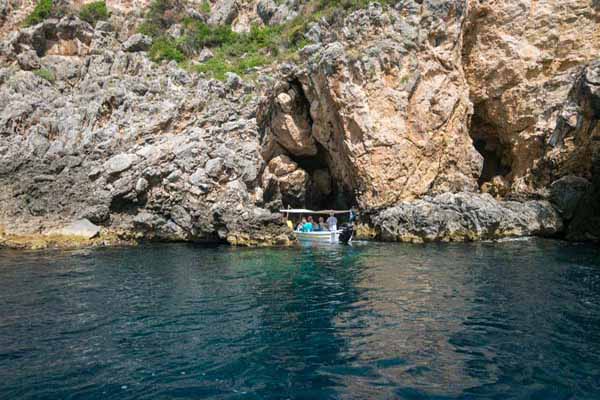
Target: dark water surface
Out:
[512,320]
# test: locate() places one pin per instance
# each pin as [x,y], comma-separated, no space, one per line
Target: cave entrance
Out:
[493,165]
[303,172]
[486,140]
[323,190]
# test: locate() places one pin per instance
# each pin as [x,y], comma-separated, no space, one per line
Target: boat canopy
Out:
[305,211]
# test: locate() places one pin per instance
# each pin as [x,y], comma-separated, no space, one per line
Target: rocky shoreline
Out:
[446,120]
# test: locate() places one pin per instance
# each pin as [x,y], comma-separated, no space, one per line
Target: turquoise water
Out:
[512,320]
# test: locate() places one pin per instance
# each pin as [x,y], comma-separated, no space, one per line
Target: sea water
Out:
[510,320]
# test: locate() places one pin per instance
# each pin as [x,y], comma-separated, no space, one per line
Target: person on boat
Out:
[322,225]
[352,215]
[332,222]
[316,226]
[308,225]
[300,226]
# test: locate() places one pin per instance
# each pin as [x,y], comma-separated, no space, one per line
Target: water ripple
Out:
[507,320]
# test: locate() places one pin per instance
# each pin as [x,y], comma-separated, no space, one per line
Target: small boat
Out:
[319,236]
[343,235]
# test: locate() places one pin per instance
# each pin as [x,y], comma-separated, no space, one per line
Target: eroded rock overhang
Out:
[384,107]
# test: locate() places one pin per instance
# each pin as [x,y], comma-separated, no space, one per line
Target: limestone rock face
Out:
[285,183]
[585,224]
[290,124]
[408,111]
[466,216]
[68,36]
[136,147]
[389,106]
[524,63]
[276,12]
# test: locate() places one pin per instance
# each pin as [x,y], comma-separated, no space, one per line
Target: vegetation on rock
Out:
[45,74]
[165,48]
[233,52]
[94,12]
[43,9]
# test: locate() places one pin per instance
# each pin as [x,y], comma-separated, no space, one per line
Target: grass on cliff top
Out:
[233,51]
[44,9]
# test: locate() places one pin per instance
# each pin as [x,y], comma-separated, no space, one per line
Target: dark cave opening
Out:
[493,164]
[323,191]
[322,187]
[486,140]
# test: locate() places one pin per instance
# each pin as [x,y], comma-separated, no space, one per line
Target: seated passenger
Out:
[300,226]
[308,225]
[322,225]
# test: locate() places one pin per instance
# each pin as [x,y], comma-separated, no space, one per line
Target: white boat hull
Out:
[319,236]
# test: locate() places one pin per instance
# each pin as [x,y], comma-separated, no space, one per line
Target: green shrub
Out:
[235,52]
[94,12]
[216,67]
[43,9]
[222,63]
[199,35]
[350,5]
[161,15]
[205,7]
[165,48]
[251,61]
[45,74]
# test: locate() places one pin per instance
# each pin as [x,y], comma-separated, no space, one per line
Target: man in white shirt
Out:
[332,222]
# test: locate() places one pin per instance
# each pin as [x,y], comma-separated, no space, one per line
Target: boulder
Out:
[119,163]
[147,221]
[205,55]
[96,214]
[104,26]
[141,185]
[214,168]
[137,42]
[282,165]
[567,192]
[232,80]
[175,31]
[275,12]
[224,12]
[28,60]
[266,9]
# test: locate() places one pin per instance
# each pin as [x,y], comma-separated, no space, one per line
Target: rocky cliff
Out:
[438,119]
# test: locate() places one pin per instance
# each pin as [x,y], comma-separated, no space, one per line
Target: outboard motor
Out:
[347,233]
